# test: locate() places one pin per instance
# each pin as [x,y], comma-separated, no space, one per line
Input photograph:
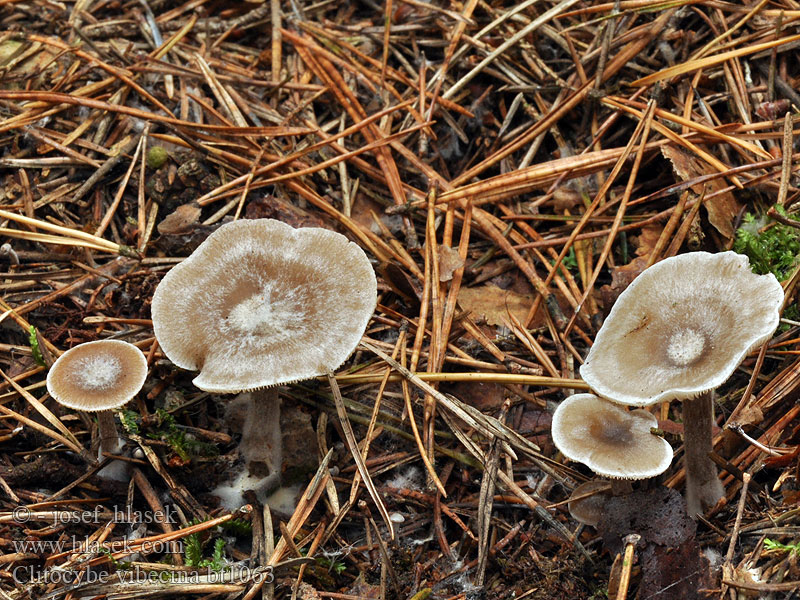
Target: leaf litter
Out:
[509,168]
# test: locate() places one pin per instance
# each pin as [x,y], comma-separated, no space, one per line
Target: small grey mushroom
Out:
[99,377]
[610,440]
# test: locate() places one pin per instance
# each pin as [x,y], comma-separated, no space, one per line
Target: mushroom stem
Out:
[703,487]
[262,444]
[621,487]
[107,431]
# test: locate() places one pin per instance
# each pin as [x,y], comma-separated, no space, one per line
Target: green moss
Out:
[156,157]
[33,340]
[185,447]
[772,248]
[779,546]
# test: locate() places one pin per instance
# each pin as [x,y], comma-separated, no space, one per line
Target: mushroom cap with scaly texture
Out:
[96,376]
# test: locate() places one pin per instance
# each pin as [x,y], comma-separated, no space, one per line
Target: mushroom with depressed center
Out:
[259,304]
[609,439]
[678,332]
[99,377]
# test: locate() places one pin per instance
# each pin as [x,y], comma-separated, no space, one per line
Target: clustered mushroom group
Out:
[677,332]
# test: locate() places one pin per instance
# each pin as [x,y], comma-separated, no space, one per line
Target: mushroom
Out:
[99,377]
[610,440]
[588,501]
[678,332]
[259,304]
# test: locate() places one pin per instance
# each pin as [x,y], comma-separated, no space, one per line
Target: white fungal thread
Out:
[685,347]
[97,372]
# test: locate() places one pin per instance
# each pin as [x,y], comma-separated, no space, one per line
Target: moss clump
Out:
[772,248]
[156,157]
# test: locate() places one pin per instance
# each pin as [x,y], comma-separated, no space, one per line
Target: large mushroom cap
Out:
[608,439]
[260,303]
[681,328]
[96,376]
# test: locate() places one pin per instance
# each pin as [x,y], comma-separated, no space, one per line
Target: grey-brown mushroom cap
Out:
[681,328]
[260,303]
[96,376]
[608,439]
[590,509]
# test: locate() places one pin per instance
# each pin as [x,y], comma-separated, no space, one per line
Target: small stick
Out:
[727,568]
[627,564]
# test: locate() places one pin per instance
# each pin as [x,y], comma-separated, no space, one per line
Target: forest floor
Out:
[509,168]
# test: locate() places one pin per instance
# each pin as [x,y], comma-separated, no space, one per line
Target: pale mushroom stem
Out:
[703,486]
[107,431]
[262,443]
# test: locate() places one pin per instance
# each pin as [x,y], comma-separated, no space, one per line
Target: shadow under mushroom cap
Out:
[260,303]
[681,328]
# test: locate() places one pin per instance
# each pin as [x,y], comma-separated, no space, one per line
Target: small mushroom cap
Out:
[97,376]
[681,328]
[608,439]
[588,501]
[260,303]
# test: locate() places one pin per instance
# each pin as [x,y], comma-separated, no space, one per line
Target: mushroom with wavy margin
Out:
[610,440]
[678,332]
[259,304]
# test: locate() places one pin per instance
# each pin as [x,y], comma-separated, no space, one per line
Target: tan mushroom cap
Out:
[681,328]
[260,303]
[608,439]
[587,502]
[97,376]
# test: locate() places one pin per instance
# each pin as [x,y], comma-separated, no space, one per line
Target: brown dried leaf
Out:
[621,278]
[485,396]
[449,262]
[494,304]
[723,208]
[182,220]
[647,239]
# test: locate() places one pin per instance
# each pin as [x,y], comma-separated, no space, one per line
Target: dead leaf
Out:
[485,396]
[182,220]
[722,208]
[621,278]
[449,262]
[647,239]
[494,304]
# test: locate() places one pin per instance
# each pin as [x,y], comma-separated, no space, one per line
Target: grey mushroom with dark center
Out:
[259,304]
[678,332]
[609,439]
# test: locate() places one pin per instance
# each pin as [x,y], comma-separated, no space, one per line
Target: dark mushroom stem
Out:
[107,431]
[262,443]
[703,486]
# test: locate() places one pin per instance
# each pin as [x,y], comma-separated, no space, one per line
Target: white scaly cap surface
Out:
[95,376]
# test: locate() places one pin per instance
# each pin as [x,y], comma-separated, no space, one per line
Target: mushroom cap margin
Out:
[212,311]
